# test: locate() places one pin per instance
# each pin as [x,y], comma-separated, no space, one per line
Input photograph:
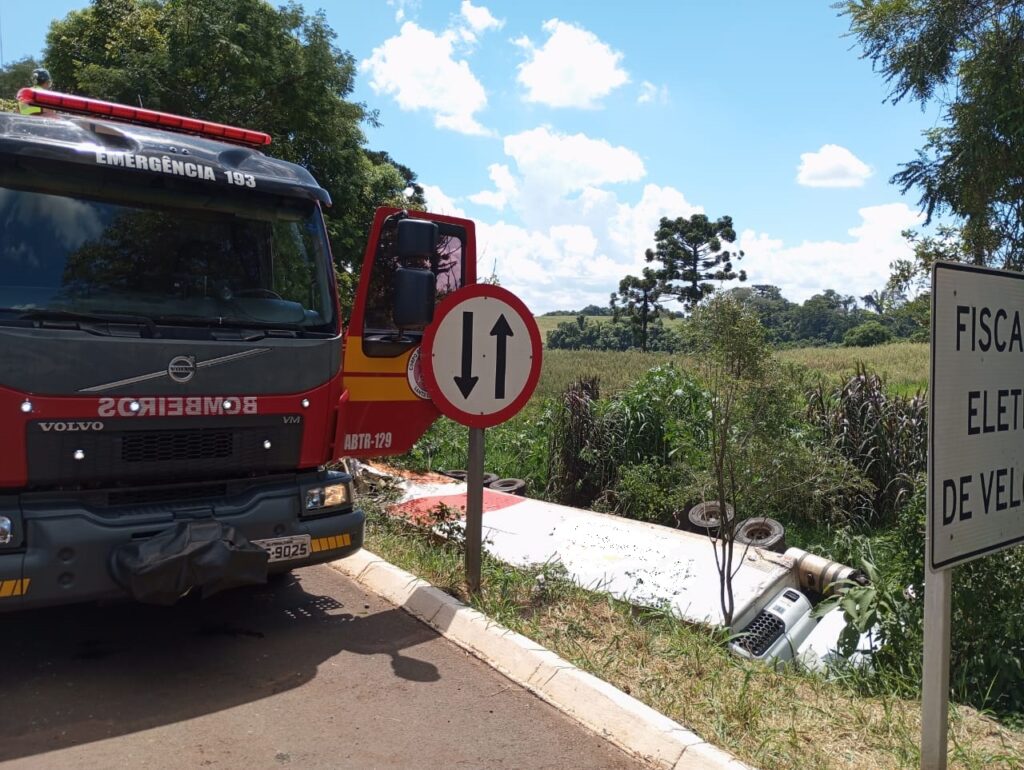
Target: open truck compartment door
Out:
[385,408]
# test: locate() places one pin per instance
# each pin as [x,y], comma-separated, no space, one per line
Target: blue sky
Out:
[566,129]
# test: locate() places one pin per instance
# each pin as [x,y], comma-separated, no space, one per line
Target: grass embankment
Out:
[771,718]
[903,365]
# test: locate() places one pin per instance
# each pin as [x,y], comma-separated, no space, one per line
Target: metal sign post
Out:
[935,688]
[481,362]
[474,508]
[975,455]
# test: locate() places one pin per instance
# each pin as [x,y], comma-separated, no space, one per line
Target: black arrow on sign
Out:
[502,331]
[466,383]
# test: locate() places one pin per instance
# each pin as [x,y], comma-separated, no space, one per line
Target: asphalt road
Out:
[311,673]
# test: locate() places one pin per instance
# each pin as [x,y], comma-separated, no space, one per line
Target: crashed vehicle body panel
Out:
[173,379]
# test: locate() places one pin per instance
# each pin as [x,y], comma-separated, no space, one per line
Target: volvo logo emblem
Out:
[182,368]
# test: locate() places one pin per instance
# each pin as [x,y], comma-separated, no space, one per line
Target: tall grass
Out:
[903,366]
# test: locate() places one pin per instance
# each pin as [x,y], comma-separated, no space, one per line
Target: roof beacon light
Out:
[77,104]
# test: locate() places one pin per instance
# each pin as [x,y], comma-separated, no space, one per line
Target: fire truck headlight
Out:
[6,530]
[328,496]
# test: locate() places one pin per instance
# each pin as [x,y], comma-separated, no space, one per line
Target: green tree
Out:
[15,76]
[969,54]
[773,310]
[749,403]
[241,62]
[691,256]
[866,335]
[639,300]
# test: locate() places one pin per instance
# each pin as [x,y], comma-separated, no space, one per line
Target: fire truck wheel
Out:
[762,532]
[511,486]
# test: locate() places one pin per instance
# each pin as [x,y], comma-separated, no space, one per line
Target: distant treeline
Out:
[828,318]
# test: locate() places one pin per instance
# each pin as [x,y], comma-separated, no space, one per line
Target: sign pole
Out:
[935,687]
[474,508]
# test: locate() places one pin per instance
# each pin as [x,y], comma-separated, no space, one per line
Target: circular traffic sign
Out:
[481,355]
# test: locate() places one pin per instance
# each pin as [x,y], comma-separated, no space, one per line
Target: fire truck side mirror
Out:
[414,297]
[417,238]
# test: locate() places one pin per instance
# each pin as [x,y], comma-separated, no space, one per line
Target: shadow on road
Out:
[77,674]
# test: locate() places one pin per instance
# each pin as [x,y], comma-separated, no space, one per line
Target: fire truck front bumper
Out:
[66,548]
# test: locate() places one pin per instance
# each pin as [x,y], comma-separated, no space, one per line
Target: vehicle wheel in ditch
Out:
[511,486]
[763,532]
[705,518]
[461,475]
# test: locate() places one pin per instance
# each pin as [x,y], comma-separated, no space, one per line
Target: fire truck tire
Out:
[705,518]
[762,532]
[511,486]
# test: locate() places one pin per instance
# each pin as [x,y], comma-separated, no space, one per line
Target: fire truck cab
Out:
[176,375]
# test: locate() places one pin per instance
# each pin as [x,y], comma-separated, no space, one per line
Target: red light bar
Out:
[68,103]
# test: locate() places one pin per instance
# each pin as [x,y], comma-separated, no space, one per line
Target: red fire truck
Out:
[175,375]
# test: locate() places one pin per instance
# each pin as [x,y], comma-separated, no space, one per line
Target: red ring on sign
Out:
[448,304]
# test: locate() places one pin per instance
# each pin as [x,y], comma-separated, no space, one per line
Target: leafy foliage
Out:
[17,75]
[639,299]
[585,334]
[884,436]
[987,642]
[866,335]
[969,54]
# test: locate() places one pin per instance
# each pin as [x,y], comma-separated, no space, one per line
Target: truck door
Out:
[384,407]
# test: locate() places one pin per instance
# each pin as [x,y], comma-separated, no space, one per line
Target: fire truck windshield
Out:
[267,267]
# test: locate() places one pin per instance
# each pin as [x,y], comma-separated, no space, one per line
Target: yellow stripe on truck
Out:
[330,543]
[375,388]
[11,588]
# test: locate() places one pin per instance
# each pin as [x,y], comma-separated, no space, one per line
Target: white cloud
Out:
[650,93]
[576,238]
[559,178]
[400,7]
[562,267]
[856,266]
[832,166]
[568,163]
[504,183]
[418,69]
[439,203]
[573,68]
[479,18]
[632,228]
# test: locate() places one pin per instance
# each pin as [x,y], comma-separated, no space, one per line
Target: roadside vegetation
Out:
[829,448]
[771,717]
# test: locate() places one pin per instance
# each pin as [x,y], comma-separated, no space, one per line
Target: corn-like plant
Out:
[884,436]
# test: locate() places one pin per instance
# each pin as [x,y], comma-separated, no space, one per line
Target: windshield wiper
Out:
[44,314]
[229,323]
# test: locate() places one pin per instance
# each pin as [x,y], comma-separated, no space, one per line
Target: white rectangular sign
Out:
[976,416]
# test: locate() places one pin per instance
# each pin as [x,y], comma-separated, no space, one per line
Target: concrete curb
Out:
[629,724]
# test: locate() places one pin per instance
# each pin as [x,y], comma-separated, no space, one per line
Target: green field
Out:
[904,365]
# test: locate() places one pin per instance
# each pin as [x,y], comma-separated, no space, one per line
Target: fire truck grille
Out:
[177,494]
[163,446]
[127,450]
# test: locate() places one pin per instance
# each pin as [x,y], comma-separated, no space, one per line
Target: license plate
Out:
[285,548]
